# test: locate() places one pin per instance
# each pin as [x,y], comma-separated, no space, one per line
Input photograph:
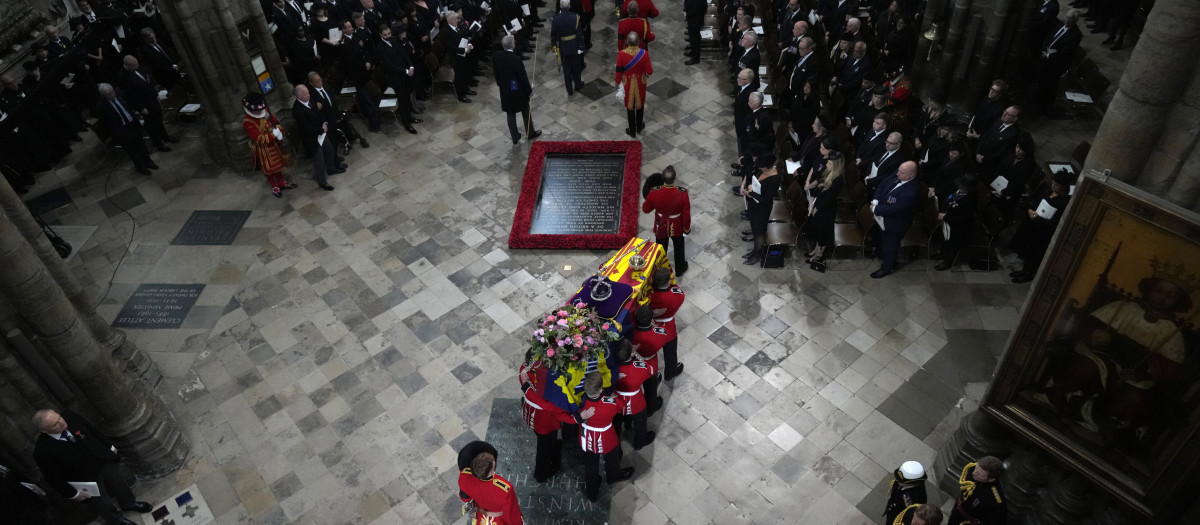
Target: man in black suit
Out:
[885,162]
[1056,59]
[741,108]
[894,205]
[400,71]
[871,140]
[286,23]
[514,86]
[760,128]
[161,63]
[748,58]
[357,68]
[1044,21]
[142,90]
[119,117]
[997,141]
[313,131]
[850,78]
[69,450]
[334,114]
[807,65]
[458,47]
[337,9]
[566,33]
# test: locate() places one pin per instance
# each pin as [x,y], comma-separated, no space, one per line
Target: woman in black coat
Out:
[957,213]
[759,205]
[940,179]
[804,110]
[1018,169]
[822,209]
[1033,236]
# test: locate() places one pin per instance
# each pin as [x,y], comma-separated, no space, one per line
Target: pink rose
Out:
[604,326]
[549,318]
[562,313]
[550,353]
[562,322]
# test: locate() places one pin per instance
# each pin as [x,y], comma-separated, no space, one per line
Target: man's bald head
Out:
[908,171]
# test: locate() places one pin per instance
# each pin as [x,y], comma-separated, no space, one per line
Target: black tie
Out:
[121,113]
[68,437]
[325,96]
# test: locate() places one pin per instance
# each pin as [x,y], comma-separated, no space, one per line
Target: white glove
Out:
[278,134]
[621,92]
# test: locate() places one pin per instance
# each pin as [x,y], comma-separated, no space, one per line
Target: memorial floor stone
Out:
[560,499]
[158,306]
[211,227]
[580,194]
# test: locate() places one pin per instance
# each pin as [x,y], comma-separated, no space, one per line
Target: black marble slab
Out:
[211,227]
[580,194]
[158,306]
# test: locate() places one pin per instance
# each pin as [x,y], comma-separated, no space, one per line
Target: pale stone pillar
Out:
[135,419]
[1155,78]
[113,340]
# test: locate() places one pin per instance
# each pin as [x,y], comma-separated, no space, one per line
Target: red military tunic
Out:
[647,343]
[265,152]
[672,211]
[633,66]
[542,416]
[494,494]
[645,8]
[629,384]
[670,300]
[597,433]
[641,26]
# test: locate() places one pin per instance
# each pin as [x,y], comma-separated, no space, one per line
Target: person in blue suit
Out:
[894,204]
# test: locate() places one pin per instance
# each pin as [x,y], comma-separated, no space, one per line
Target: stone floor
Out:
[348,342]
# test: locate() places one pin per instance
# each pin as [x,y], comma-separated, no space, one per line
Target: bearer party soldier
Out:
[648,338]
[598,437]
[665,300]
[672,216]
[632,373]
[546,419]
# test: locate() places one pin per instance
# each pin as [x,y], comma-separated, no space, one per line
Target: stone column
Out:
[135,419]
[14,375]
[19,443]
[262,34]
[943,70]
[1184,187]
[113,340]
[1155,78]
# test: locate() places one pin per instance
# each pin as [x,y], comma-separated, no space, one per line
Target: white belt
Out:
[677,215]
[665,319]
[629,394]
[595,429]
[532,404]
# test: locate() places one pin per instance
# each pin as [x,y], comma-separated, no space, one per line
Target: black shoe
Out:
[464,100]
[736,165]
[649,439]
[681,271]
[410,129]
[288,186]
[363,143]
[630,133]
[1118,46]
[137,506]
[471,92]
[753,260]
[1108,40]
[678,370]
[942,266]
[1023,278]
[517,139]
[737,191]
[880,273]
[526,57]
[277,192]
[327,187]
[747,232]
[692,62]
[536,133]
[144,171]
[473,83]
[152,165]
[817,265]
[658,403]
[745,215]
[641,127]
[747,238]
[626,473]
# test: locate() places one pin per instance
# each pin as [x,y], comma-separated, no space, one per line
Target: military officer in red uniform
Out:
[598,437]
[980,502]
[672,216]
[632,373]
[634,24]
[490,499]
[665,300]
[546,419]
[648,338]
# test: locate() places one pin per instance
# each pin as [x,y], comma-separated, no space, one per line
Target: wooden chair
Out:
[855,234]
[848,207]
[920,233]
